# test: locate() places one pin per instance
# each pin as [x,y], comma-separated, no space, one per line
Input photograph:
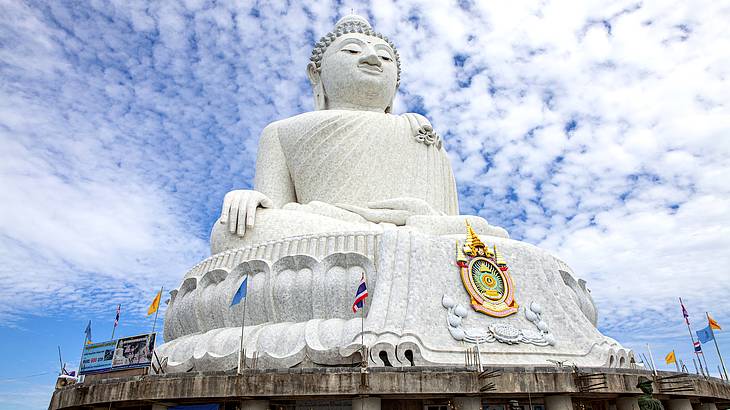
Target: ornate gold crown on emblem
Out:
[485,277]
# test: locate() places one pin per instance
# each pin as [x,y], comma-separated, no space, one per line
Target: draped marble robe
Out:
[355,157]
[339,156]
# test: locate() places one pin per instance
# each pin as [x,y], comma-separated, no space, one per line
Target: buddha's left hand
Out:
[394,211]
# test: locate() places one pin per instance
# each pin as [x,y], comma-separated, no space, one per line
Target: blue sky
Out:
[597,130]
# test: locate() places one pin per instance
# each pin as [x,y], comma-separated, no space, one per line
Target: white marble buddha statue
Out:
[351,192]
[352,162]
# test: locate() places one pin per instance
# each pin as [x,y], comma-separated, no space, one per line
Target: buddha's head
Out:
[354,68]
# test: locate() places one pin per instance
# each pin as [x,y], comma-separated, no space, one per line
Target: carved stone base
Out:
[298,308]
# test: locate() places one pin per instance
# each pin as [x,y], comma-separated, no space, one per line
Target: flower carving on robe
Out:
[428,136]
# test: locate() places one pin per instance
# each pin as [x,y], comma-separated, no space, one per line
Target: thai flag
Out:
[684,312]
[360,295]
[116,319]
[698,347]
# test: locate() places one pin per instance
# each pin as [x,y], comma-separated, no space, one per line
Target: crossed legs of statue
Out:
[316,218]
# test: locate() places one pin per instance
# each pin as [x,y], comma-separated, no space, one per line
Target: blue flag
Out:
[705,335]
[241,293]
[88,333]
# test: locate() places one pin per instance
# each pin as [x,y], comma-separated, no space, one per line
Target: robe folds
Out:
[355,157]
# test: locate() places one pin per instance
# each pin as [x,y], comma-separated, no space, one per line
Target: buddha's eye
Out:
[385,56]
[351,50]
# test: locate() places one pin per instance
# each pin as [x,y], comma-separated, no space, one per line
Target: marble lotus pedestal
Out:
[301,291]
[350,190]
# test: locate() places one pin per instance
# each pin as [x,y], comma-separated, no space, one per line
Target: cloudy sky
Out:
[597,130]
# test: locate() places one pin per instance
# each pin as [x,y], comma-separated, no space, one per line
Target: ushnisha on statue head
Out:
[354,68]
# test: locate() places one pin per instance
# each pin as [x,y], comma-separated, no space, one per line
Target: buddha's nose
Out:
[370,57]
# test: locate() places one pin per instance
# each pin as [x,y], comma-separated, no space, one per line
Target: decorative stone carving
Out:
[428,136]
[497,332]
[581,295]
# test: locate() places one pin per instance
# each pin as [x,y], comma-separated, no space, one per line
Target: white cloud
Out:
[595,130]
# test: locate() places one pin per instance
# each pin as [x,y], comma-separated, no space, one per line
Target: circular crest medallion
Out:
[490,288]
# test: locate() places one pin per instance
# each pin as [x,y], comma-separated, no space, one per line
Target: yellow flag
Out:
[670,358]
[713,324]
[155,304]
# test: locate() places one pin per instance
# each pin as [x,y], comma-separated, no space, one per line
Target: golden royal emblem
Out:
[485,277]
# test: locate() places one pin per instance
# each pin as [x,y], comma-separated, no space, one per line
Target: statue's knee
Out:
[274,224]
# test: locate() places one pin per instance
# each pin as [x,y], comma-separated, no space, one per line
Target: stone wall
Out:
[351,383]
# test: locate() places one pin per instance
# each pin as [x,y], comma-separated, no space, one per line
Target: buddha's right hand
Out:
[239,209]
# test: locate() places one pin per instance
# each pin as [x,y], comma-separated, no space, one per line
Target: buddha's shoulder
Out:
[296,124]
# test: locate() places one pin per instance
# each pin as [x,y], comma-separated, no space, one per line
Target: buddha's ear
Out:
[317,87]
[313,74]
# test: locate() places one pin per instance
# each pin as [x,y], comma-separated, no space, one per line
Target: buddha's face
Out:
[359,72]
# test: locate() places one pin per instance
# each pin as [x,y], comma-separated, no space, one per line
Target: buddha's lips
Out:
[370,68]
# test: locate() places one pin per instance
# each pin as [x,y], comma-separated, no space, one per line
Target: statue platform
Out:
[552,388]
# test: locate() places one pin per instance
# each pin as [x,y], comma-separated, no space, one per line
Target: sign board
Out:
[135,351]
[119,354]
[97,357]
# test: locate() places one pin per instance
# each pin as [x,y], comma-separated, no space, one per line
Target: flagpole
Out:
[243,323]
[60,360]
[653,365]
[362,334]
[712,331]
[646,361]
[114,329]
[81,359]
[157,311]
[676,363]
[691,336]
[87,335]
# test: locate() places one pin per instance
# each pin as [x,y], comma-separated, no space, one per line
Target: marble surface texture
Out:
[352,189]
[301,292]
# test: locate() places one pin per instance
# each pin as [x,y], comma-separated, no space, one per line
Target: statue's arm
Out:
[272,186]
[272,174]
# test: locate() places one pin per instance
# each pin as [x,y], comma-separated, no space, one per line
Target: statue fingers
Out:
[393,216]
[330,211]
[397,217]
[251,211]
[225,210]
[242,215]
[233,214]
[266,202]
[386,204]
[415,206]
[364,212]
